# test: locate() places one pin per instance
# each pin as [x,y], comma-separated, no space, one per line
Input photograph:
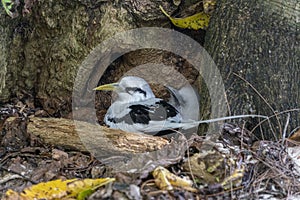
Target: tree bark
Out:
[255,44]
[42,50]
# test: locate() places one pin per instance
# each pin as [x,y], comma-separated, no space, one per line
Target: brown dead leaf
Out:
[296,136]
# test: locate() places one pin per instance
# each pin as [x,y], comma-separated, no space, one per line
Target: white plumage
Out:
[136,109]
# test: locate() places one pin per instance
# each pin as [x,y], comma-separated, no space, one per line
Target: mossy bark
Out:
[258,41]
[42,50]
[5,77]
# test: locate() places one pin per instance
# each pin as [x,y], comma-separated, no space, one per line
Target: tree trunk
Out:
[42,50]
[255,44]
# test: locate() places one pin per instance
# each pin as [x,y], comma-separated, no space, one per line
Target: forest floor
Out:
[235,166]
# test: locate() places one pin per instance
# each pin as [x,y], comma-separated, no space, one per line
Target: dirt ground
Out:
[236,166]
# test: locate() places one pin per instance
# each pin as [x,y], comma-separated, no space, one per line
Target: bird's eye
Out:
[132,90]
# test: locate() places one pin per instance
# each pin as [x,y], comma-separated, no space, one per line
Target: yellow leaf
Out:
[12,195]
[234,179]
[58,189]
[76,187]
[165,180]
[196,22]
[49,190]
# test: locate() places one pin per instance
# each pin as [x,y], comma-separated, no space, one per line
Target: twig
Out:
[188,155]
[19,174]
[9,177]
[285,129]
[280,113]
[294,130]
[260,95]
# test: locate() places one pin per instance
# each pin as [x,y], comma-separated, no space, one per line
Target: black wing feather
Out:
[161,110]
[143,114]
[139,114]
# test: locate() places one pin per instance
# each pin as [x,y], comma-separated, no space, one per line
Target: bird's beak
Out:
[107,87]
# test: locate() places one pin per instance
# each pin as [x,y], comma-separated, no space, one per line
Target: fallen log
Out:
[121,150]
[82,136]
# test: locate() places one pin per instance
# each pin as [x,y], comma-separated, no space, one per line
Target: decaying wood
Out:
[83,136]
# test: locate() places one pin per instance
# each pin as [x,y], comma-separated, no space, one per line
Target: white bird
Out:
[136,109]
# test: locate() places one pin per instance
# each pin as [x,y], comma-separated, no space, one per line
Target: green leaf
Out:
[7,5]
[84,194]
